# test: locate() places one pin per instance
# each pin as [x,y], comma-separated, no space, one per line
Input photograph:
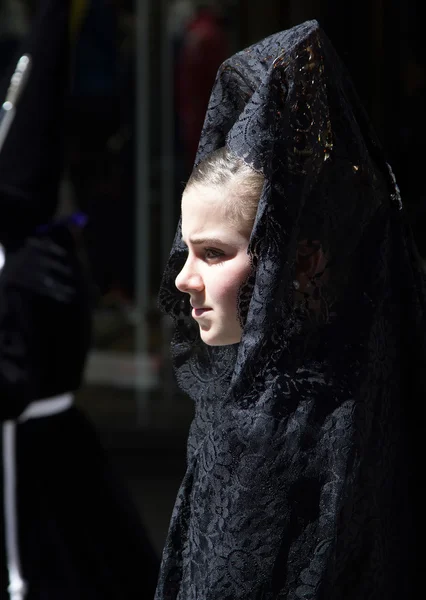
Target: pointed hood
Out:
[32,156]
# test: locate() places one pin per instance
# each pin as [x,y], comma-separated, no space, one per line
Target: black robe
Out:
[305,476]
[78,532]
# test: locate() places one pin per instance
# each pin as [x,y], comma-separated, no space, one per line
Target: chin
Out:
[219,340]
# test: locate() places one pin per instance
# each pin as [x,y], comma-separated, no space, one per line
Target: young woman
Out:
[299,302]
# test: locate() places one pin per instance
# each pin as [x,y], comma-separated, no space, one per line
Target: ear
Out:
[310,260]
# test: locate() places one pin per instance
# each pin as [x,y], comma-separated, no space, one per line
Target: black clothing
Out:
[78,533]
[45,321]
[305,477]
[32,156]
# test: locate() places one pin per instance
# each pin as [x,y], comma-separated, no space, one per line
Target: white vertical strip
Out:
[17,586]
[7,114]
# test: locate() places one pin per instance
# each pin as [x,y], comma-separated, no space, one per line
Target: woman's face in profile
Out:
[217,263]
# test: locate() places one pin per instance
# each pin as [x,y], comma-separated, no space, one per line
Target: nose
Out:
[189,280]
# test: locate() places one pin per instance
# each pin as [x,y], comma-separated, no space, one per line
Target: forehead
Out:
[205,194]
[206,208]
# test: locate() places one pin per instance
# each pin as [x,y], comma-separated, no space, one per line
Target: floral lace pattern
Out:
[297,483]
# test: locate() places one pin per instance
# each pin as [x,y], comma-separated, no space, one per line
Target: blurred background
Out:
[142,75]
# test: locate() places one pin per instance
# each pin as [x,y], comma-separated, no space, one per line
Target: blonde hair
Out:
[222,168]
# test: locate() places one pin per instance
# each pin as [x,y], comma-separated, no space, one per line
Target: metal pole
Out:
[142,200]
[167,133]
[168,223]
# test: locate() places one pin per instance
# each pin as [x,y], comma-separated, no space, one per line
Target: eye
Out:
[212,254]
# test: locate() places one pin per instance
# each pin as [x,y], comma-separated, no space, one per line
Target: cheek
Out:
[228,283]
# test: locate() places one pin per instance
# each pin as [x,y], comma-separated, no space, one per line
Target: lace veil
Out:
[301,469]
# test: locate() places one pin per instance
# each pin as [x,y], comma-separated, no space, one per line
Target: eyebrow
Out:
[199,241]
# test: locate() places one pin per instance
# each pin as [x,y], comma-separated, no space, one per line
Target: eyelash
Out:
[214,254]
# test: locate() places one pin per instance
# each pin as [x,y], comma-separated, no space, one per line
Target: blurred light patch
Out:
[2,257]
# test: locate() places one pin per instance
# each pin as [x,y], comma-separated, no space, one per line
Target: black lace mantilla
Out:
[302,460]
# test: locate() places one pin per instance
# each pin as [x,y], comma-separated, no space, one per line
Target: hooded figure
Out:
[69,529]
[304,477]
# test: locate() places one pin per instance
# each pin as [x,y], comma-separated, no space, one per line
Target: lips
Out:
[199,312]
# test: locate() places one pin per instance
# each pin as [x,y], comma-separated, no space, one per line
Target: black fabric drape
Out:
[32,158]
[79,533]
[304,475]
